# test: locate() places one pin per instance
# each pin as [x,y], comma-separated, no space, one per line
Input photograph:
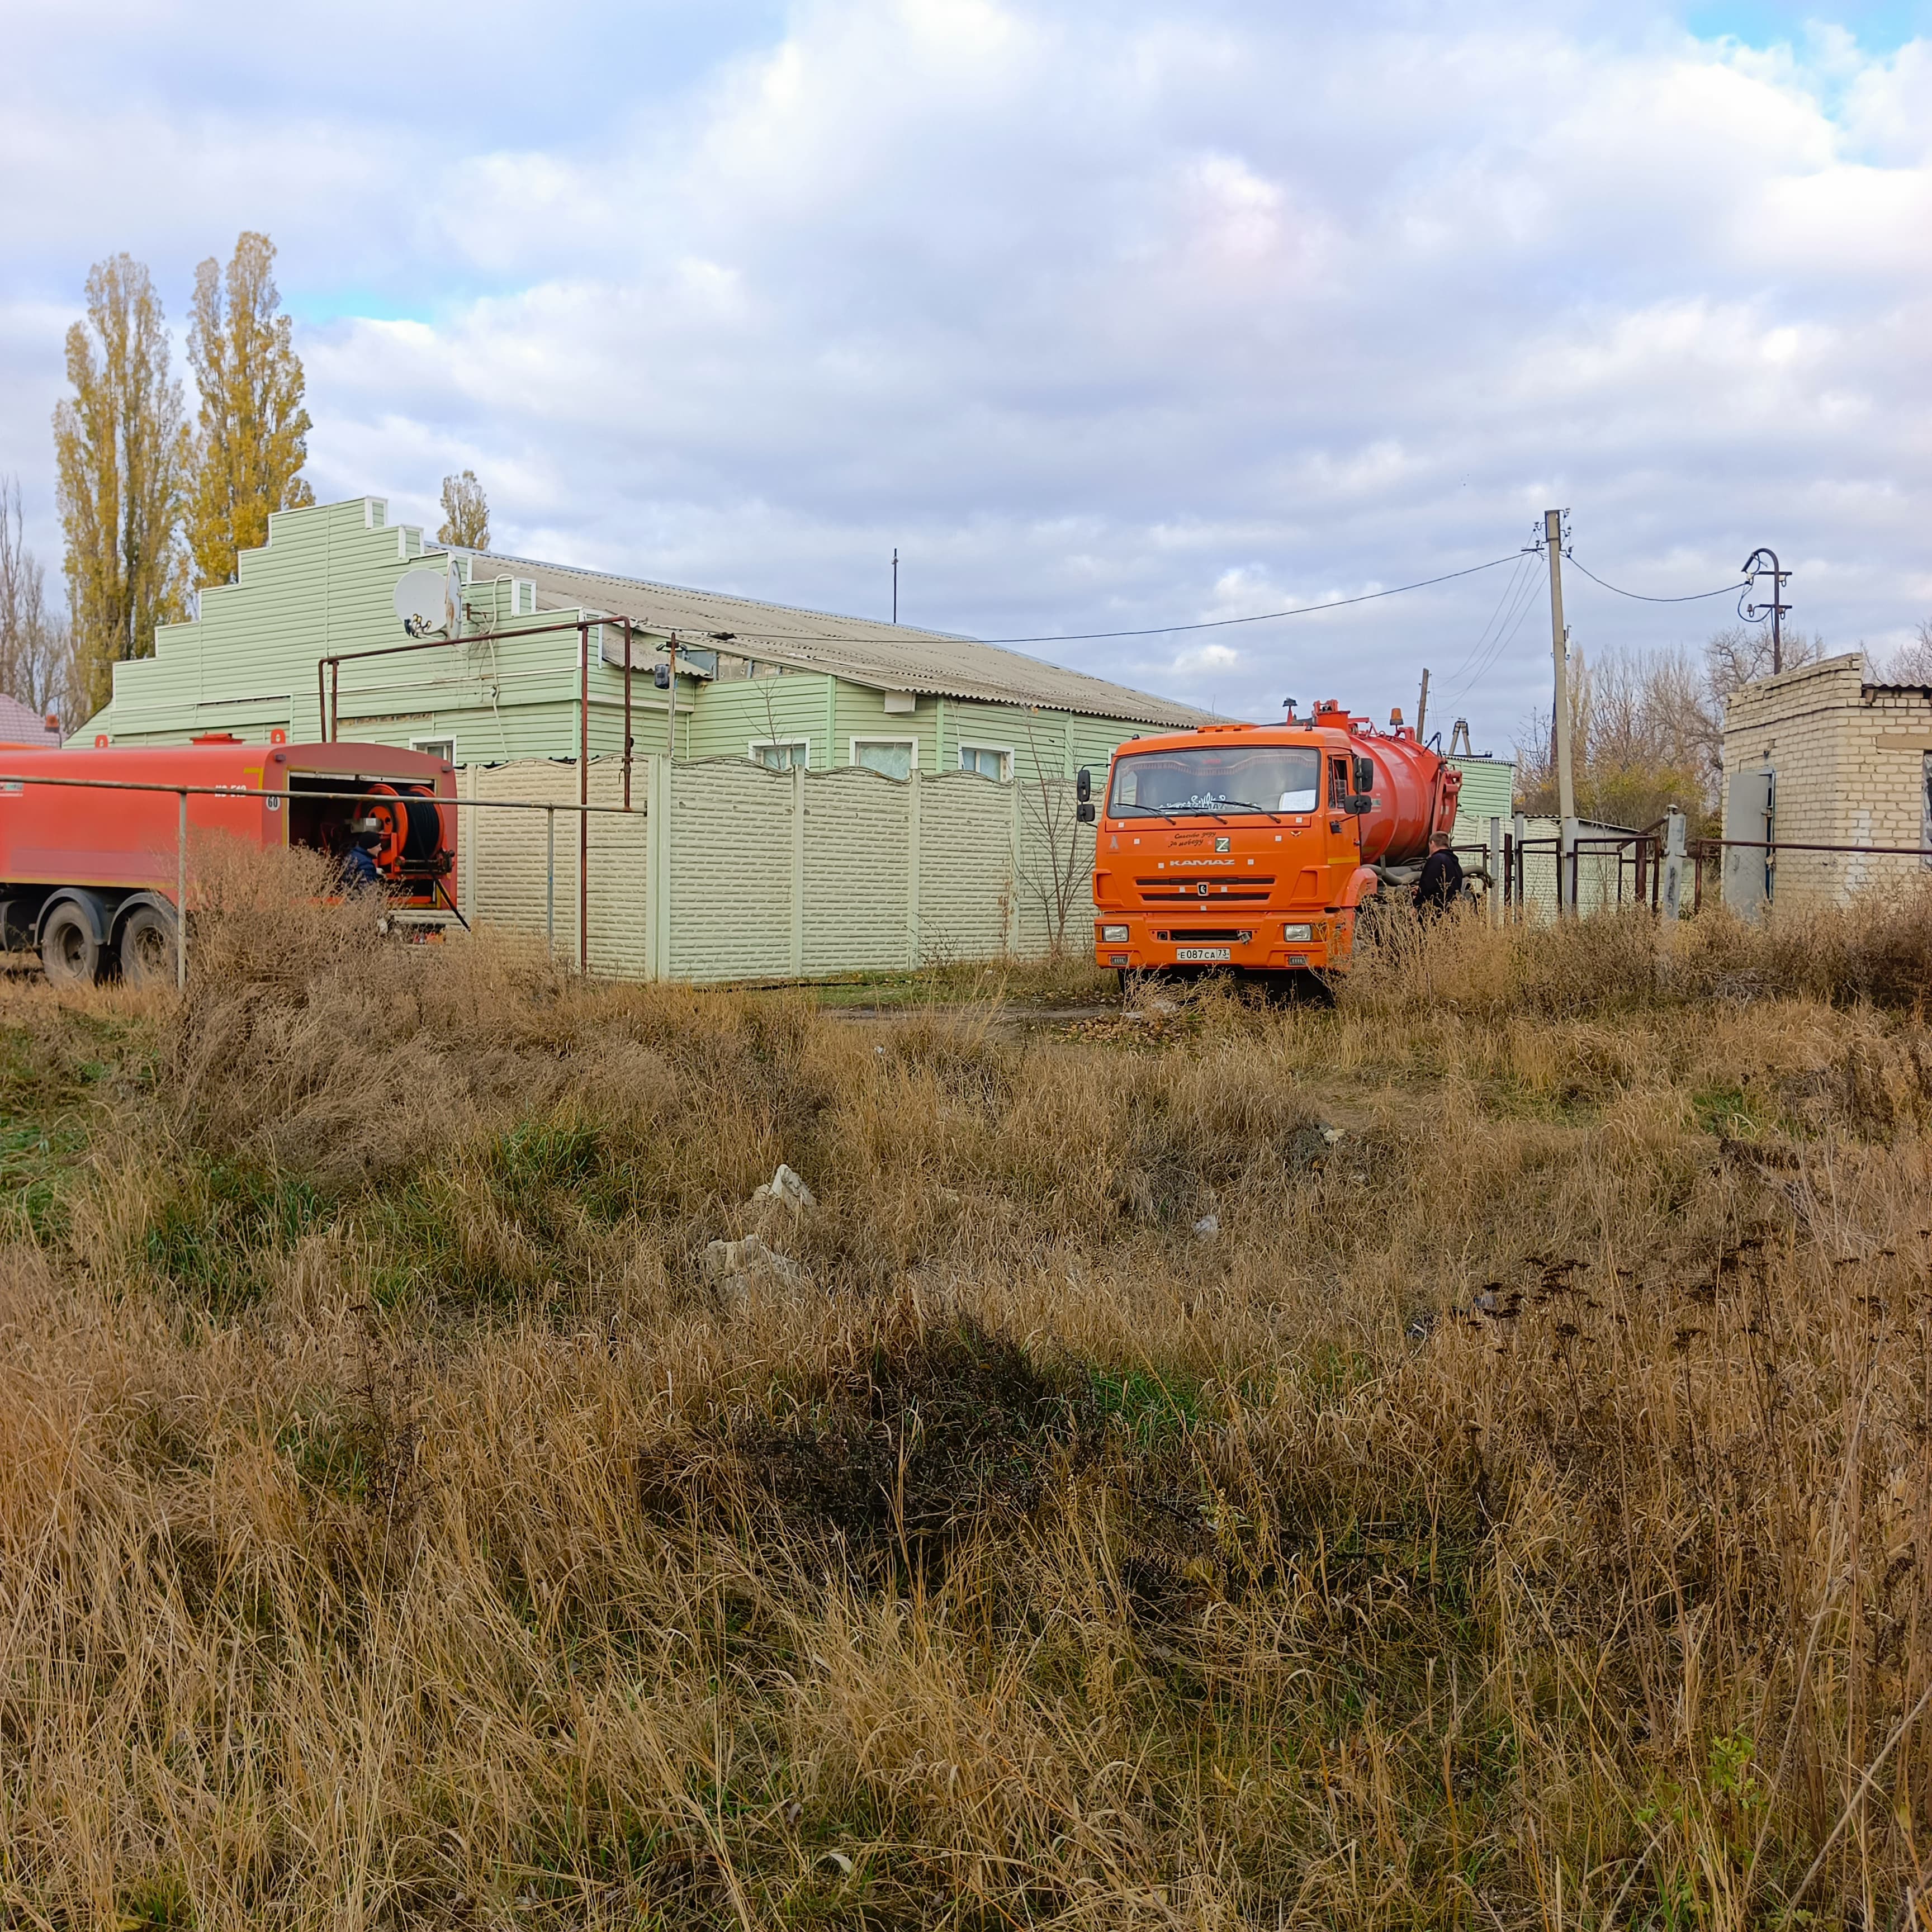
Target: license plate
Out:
[1190,955]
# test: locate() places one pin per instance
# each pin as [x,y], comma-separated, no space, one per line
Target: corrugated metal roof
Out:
[887,657]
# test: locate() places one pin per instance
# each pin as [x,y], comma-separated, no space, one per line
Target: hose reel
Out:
[407,820]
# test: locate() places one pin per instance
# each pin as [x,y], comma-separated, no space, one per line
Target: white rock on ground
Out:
[786,1186]
[738,1264]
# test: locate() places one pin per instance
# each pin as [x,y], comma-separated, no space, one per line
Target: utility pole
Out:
[1559,650]
[671,702]
[895,583]
[1777,610]
[1422,710]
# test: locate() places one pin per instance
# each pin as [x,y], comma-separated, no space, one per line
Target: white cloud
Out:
[1106,317]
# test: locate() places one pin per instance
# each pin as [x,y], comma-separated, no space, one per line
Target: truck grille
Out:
[1207,935]
[1246,891]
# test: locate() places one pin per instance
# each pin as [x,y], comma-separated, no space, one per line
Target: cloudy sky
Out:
[1108,316]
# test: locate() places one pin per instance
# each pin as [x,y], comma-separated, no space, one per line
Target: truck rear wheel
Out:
[70,955]
[148,947]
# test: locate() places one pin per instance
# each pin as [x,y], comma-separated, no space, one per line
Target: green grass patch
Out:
[160,1900]
[36,1159]
[51,1078]
[328,1456]
[1726,1113]
[212,1238]
[551,1175]
[1152,1410]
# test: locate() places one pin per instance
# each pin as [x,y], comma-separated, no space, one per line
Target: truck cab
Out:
[1253,847]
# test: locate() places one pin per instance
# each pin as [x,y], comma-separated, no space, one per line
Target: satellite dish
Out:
[423,600]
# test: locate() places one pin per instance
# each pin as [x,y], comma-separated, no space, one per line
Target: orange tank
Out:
[88,876]
[1414,789]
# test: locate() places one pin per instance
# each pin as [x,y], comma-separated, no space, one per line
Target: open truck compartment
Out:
[327,809]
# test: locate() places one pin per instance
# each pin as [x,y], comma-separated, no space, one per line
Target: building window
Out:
[444,748]
[780,755]
[891,758]
[990,761]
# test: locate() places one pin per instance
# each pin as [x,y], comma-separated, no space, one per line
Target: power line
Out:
[1525,600]
[1695,596]
[1259,617]
[1505,606]
[1525,589]
[1512,587]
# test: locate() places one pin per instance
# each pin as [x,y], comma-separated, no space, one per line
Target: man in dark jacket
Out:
[1441,880]
[358,863]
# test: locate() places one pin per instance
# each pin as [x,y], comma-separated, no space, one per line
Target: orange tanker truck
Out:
[1253,847]
[89,875]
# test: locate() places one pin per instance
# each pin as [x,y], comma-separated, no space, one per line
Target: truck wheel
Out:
[69,954]
[148,947]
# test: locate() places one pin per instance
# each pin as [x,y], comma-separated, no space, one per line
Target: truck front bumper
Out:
[1155,943]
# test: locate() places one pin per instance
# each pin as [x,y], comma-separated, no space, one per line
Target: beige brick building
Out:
[1818,756]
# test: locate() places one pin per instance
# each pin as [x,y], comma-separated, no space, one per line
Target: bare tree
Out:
[1050,822]
[1911,663]
[1741,656]
[1647,728]
[36,650]
[772,737]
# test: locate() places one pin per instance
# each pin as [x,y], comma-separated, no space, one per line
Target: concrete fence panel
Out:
[963,905]
[510,877]
[858,828]
[725,870]
[733,889]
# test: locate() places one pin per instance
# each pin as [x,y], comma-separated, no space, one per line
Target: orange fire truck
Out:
[1253,847]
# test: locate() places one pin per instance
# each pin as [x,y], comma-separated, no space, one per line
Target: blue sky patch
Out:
[1879,26]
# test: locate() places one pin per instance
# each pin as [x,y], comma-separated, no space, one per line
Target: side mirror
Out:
[1358,804]
[1084,812]
[661,676]
[1083,786]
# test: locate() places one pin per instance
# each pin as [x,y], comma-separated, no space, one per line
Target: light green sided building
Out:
[777,685]
[1489,791]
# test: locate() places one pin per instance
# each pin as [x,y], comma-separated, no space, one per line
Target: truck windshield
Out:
[1213,780]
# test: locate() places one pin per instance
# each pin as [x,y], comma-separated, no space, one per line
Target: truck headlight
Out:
[1113,935]
[1297,935]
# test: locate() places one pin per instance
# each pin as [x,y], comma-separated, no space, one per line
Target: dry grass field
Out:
[1515,1513]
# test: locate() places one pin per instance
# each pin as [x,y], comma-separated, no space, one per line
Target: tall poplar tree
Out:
[466,513]
[120,453]
[253,438]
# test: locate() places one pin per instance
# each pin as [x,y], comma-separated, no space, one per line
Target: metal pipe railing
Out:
[184,793]
[328,699]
